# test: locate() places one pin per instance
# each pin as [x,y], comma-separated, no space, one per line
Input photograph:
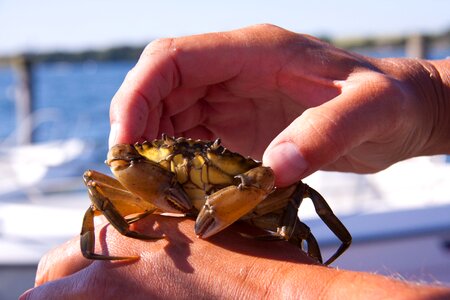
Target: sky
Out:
[50,25]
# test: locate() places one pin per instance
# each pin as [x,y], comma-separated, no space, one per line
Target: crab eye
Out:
[118,164]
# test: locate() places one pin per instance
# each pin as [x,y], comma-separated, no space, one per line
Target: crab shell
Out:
[202,178]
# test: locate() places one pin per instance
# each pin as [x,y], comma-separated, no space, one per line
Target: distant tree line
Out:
[111,54]
[133,53]
[441,39]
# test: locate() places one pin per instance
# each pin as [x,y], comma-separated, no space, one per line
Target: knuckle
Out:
[267,27]
[325,130]
[42,270]
[159,46]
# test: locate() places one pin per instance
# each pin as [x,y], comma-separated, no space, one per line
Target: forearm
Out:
[275,280]
[343,284]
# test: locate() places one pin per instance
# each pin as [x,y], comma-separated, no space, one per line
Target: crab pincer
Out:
[229,204]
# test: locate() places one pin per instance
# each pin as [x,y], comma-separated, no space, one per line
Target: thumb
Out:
[323,134]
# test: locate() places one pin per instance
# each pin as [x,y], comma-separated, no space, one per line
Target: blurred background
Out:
[62,61]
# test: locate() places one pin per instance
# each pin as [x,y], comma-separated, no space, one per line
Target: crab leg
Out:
[293,229]
[229,204]
[329,218]
[296,231]
[109,198]
[290,227]
[123,200]
[87,236]
[303,233]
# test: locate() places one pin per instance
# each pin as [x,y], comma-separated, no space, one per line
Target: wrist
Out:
[425,87]
[441,83]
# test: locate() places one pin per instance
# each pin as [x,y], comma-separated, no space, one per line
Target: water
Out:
[72,100]
[438,52]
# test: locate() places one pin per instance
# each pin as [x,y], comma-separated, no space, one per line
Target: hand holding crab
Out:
[295,102]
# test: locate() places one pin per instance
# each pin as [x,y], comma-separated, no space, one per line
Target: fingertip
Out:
[287,162]
[112,140]
[132,117]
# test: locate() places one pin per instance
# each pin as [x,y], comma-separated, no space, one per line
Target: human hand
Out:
[317,106]
[180,265]
[227,266]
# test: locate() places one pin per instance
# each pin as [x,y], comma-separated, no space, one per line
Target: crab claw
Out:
[147,180]
[229,204]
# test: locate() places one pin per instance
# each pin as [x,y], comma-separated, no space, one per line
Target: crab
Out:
[203,179]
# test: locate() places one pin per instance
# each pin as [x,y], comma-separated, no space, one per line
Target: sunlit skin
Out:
[187,267]
[257,88]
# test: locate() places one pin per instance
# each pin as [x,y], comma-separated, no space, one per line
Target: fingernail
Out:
[113,134]
[287,162]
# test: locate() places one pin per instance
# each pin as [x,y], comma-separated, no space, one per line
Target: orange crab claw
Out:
[148,180]
[227,205]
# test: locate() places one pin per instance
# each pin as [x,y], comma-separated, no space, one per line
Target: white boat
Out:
[42,167]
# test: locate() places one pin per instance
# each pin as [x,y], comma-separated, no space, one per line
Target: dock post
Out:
[417,46]
[24,99]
